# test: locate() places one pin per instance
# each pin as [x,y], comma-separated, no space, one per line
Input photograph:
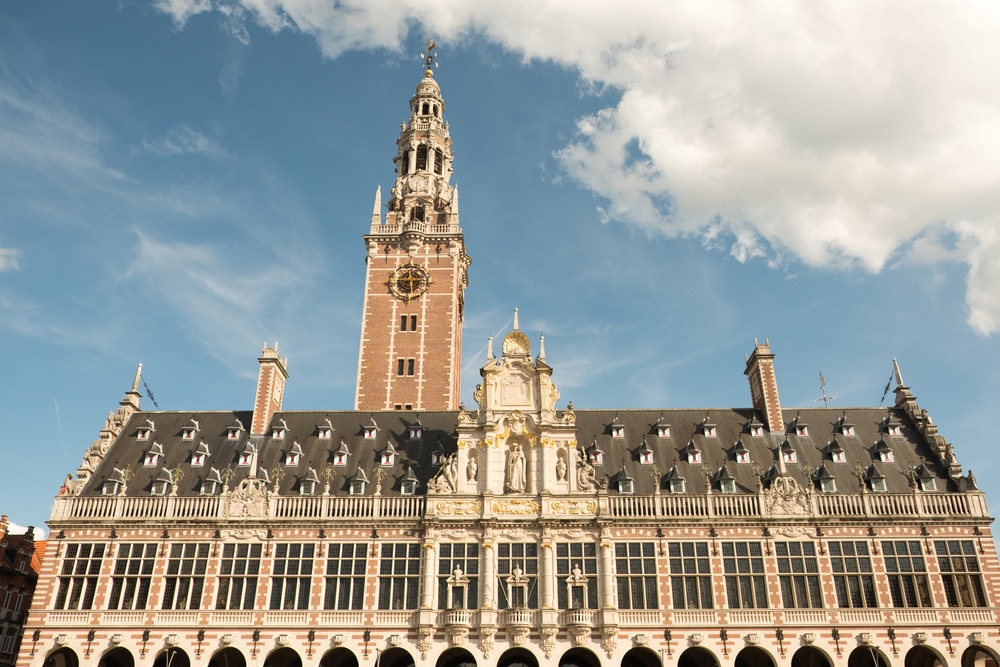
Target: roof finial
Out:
[515,319]
[899,376]
[377,209]
[429,57]
[541,349]
[138,378]
[489,349]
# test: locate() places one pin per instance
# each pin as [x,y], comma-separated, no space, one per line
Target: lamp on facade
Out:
[35,636]
[90,640]
[367,637]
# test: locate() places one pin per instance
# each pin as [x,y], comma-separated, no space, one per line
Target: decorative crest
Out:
[430,56]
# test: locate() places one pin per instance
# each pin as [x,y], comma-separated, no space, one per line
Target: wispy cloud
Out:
[8,259]
[831,134]
[183,140]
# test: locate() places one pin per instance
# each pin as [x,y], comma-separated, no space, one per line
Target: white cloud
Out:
[183,140]
[8,259]
[835,133]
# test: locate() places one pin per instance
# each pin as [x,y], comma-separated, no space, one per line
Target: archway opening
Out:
[810,656]
[924,656]
[637,657]
[517,657]
[456,657]
[283,657]
[339,657]
[172,657]
[64,657]
[977,656]
[117,657]
[867,656]
[754,656]
[697,656]
[395,657]
[228,657]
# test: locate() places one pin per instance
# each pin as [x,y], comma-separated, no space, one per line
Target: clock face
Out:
[408,282]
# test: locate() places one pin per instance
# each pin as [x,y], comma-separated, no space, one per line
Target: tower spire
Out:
[377,209]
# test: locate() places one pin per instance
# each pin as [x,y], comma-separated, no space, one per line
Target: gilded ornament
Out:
[516,507]
[459,507]
[574,507]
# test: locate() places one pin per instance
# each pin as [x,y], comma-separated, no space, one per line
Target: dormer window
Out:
[884,452]
[356,487]
[828,485]
[662,430]
[799,427]
[161,485]
[626,486]
[387,458]
[324,432]
[232,433]
[691,453]
[756,430]
[408,486]
[308,484]
[199,455]
[111,487]
[617,431]
[928,483]
[212,484]
[709,431]
[246,456]
[645,454]
[740,452]
[340,456]
[416,432]
[370,432]
[594,455]
[788,454]
[727,485]
[894,429]
[142,433]
[837,453]
[676,485]
[437,457]
[876,480]
[848,429]
[278,433]
[189,431]
[294,455]
[153,456]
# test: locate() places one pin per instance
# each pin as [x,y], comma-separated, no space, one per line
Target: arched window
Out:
[405,166]
[438,161]
[421,158]
[425,109]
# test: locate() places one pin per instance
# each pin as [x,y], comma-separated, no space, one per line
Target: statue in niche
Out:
[472,468]
[561,467]
[515,469]
[586,475]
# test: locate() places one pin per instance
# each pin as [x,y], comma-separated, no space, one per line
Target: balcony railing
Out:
[211,509]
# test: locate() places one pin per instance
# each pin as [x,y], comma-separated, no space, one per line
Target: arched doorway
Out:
[64,657]
[517,657]
[395,657]
[456,657]
[283,657]
[228,657]
[117,657]
[172,657]
[867,656]
[579,657]
[924,656]
[810,656]
[754,656]
[639,656]
[978,656]
[339,657]
[697,656]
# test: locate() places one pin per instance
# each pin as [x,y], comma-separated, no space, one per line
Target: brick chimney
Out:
[764,386]
[270,388]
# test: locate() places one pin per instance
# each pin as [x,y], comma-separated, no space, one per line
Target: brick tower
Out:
[416,273]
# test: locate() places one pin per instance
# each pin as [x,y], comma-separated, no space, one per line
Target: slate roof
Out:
[668,461]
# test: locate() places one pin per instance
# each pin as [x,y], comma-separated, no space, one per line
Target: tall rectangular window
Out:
[743,564]
[400,366]
[635,572]
[576,572]
[402,322]
[458,576]
[410,364]
[517,574]
[132,576]
[399,576]
[345,576]
[238,573]
[907,573]
[798,574]
[185,578]
[291,576]
[960,573]
[690,575]
[78,578]
[852,574]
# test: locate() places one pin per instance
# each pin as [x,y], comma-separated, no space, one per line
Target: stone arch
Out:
[283,657]
[117,657]
[172,657]
[579,657]
[395,657]
[228,657]
[924,656]
[640,656]
[456,657]
[754,656]
[978,656]
[517,657]
[697,656]
[339,657]
[867,656]
[810,656]
[62,657]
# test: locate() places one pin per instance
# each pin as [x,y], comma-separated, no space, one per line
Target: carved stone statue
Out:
[586,475]
[446,479]
[561,468]
[472,469]
[515,469]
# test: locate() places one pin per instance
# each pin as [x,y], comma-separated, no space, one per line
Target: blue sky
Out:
[653,187]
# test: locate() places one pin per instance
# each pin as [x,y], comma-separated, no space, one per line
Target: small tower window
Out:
[437,457]
[405,166]
[884,452]
[425,109]
[438,161]
[928,484]
[233,433]
[421,157]
[838,456]
[709,431]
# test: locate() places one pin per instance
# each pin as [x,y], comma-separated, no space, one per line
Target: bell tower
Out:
[416,272]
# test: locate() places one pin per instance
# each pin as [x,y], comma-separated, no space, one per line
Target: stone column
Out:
[489,570]
[428,569]
[607,572]
[546,578]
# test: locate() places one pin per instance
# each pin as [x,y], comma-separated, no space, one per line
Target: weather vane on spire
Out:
[430,55]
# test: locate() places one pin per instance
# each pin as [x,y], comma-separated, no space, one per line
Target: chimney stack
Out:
[270,388]
[764,386]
